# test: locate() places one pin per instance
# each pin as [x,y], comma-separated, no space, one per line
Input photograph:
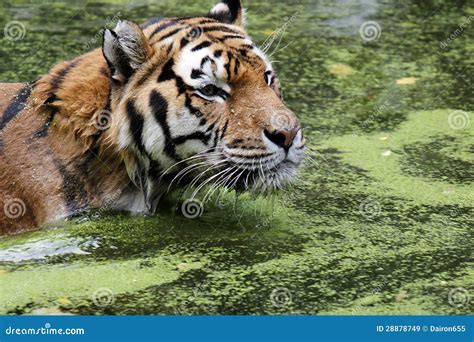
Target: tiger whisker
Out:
[216,185]
[204,183]
[190,169]
[203,154]
[280,49]
[211,167]
[279,42]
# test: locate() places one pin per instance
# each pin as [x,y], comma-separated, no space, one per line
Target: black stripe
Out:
[181,85]
[49,105]
[227,65]
[169,34]
[262,155]
[43,131]
[58,79]
[136,125]
[201,46]
[184,42]
[236,66]
[208,21]
[216,137]
[56,83]
[73,190]
[224,130]
[230,36]
[217,53]
[267,73]
[244,147]
[204,61]
[167,73]
[159,107]
[16,106]
[236,142]
[219,28]
[146,75]
[193,110]
[247,47]
[211,127]
[155,169]
[196,73]
[193,136]
[243,52]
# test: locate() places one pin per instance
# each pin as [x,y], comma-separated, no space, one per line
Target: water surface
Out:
[379,222]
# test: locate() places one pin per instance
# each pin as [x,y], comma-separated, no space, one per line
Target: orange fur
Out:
[56,160]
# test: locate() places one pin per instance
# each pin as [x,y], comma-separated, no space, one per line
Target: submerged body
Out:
[115,126]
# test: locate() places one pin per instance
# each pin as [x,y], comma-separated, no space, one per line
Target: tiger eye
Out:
[210,90]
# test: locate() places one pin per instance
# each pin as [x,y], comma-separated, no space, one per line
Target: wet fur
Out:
[55,160]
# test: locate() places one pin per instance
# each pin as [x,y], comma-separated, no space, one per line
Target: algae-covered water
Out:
[379,221]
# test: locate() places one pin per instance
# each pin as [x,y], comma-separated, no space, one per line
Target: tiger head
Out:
[197,95]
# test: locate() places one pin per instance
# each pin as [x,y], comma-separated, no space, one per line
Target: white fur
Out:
[125,138]
[109,42]
[190,60]
[220,8]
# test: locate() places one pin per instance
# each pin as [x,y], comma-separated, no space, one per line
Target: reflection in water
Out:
[46,248]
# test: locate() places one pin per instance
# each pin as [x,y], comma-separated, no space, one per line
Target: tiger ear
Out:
[229,12]
[125,49]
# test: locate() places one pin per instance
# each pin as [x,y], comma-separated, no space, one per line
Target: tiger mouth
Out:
[264,178]
[257,174]
[261,173]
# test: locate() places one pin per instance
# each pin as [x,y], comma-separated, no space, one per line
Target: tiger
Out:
[166,102]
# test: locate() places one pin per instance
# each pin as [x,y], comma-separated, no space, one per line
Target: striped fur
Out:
[172,99]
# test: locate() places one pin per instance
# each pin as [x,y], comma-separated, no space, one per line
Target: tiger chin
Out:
[182,101]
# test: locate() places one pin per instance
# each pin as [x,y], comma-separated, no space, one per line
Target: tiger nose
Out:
[282,137]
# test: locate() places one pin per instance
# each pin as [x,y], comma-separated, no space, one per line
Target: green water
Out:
[379,221]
